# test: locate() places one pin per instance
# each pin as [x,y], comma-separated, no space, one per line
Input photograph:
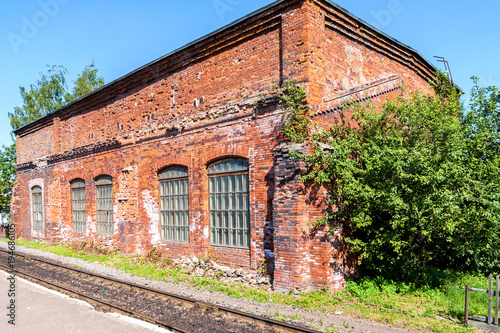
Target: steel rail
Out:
[96,303]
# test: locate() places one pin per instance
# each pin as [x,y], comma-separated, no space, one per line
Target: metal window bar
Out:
[226,166]
[229,204]
[104,208]
[37,208]
[489,318]
[78,206]
[174,205]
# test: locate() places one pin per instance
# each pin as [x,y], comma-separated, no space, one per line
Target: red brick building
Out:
[184,154]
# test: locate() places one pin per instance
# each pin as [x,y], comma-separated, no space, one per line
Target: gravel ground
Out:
[312,319]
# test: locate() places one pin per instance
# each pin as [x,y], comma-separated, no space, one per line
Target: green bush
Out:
[414,182]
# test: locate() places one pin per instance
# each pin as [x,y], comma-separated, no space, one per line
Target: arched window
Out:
[78,205]
[174,207]
[37,209]
[229,207]
[104,205]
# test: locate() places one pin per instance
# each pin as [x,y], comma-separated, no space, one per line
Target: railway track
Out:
[170,311]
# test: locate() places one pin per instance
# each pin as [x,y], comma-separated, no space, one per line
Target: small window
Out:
[36,195]
[104,205]
[174,206]
[229,206]
[78,205]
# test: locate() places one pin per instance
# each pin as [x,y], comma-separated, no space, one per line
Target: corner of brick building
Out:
[343,63]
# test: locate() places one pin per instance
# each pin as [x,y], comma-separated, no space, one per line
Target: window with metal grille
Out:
[78,205]
[36,201]
[229,207]
[104,205]
[174,207]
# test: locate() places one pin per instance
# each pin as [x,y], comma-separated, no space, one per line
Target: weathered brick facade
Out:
[198,105]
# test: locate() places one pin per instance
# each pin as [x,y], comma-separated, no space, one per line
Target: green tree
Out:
[7,176]
[87,81]
[47,95]
[50,93]
[482,121]
[414,182]
[477,245]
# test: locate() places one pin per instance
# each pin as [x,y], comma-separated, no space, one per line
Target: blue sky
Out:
[121,36]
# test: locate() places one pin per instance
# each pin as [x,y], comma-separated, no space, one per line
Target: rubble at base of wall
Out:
[209,268]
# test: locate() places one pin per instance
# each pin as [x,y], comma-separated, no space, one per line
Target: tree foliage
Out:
[7,176]
[414,182]
[87,82]
[47,95]
[51,92]
[478,243]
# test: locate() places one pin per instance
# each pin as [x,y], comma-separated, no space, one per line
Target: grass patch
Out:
[399,304]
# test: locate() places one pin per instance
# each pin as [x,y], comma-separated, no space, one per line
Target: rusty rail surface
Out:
[265,323]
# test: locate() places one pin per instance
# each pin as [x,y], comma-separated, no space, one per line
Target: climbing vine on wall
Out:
[297,124]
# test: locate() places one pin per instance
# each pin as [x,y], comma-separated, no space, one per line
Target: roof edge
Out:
[396,41]
[377,30]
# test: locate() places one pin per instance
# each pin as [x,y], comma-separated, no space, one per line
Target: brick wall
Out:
[38,143]
[202,104]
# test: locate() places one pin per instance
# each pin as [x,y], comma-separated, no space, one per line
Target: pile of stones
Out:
[210,268]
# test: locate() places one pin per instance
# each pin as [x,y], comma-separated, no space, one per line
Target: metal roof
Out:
[254,13]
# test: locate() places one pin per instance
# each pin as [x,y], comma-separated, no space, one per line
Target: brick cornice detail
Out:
[353,29]
[367,91]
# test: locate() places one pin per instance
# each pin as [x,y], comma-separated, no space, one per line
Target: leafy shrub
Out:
[413,182]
